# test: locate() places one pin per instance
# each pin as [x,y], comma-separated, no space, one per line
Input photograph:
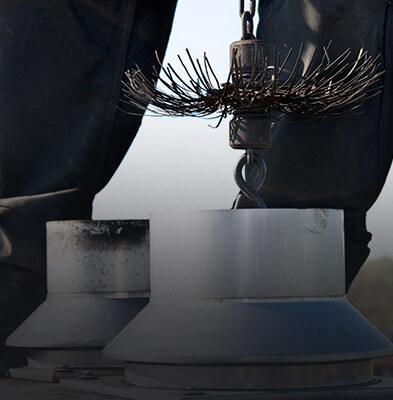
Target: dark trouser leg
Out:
[340,162]
[21,291]
[61,133]
[356,241]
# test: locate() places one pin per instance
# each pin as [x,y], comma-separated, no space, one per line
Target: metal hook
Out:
[250,189]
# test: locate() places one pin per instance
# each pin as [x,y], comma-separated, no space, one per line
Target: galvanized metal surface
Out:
[98,280]
[69,359]
[381,389]
[116,387]
[229,254]
[55,375]
[248,332]
[15,389]
[75,321]
[247,287]
[110,257]
[266,377]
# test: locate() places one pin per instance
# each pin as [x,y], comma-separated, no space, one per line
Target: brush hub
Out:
[250,130]
[247,54]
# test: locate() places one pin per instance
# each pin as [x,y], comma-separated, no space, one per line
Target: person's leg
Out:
[61,133]
[356,241]
[21,291]
[340,162]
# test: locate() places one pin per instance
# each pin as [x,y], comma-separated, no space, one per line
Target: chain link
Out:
[252,8]
[247,20]
[250,188]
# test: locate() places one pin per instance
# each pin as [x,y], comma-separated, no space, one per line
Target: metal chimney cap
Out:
[98,280]
[252,286]
[247,253]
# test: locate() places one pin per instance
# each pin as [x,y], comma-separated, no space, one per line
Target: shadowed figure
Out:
[334,162]
[61,134]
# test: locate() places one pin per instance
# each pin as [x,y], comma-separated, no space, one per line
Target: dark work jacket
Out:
[332,162]
[61,134]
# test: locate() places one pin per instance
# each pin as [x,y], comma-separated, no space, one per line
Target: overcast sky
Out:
[182,163]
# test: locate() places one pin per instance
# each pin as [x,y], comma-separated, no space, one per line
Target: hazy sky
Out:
[182,163]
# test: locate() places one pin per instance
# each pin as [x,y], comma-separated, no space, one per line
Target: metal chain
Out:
[247,20]
[252,8]
[250,189]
